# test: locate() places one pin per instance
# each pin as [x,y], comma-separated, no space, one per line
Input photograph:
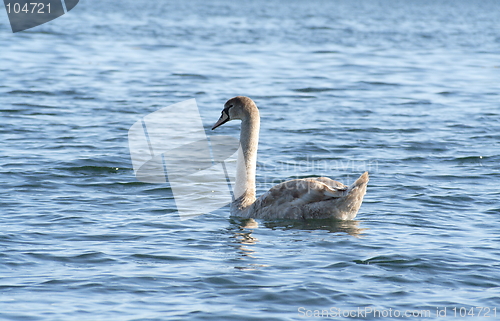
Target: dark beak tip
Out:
[222,120]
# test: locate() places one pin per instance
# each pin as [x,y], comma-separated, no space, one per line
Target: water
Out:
[406,90]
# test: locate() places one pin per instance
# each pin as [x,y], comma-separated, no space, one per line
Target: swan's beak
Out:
[224,118]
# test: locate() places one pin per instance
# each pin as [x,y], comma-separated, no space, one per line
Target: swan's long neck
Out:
[244,191]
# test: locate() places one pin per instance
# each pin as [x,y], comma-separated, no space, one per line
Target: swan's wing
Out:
[330,182]
[318,197]
[302,191]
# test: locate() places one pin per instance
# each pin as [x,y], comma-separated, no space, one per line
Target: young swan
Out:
[308,198]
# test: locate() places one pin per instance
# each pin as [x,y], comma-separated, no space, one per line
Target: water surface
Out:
[408,91]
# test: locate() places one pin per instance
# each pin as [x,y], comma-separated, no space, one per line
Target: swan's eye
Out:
[226,109]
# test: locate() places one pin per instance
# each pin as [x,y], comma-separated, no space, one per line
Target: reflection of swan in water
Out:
[332,226]
[316,198]
[245,243]
[350,227]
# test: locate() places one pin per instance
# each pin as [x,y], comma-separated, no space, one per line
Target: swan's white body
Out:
[317,198]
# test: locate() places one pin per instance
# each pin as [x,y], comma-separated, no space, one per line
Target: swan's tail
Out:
[360,183]
[350,204]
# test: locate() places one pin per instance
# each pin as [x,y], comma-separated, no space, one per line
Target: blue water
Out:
[408,90]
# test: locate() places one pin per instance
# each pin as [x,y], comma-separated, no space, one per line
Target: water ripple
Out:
[406,91]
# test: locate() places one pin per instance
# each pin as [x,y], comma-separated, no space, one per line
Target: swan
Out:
[307,198]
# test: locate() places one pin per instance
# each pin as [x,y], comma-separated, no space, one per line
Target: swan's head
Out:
[239,107]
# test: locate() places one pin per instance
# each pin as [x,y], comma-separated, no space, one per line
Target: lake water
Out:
[408,90]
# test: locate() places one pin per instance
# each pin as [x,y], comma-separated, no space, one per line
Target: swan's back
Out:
[309,198]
